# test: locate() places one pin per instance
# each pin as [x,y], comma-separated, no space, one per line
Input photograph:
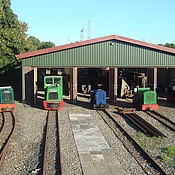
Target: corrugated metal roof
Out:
[93,41]
[111,51]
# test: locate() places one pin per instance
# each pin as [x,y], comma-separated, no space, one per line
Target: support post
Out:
[155,79]
[113,73]
[115,84]
[73,88]
[111,84]
[35,85]
[27,84]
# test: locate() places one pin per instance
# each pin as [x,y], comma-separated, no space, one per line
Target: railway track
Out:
[162,119]
[8,125]
[140,122]
[146,162]
[52,156]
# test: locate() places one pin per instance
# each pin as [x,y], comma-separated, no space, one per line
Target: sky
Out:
[61,21]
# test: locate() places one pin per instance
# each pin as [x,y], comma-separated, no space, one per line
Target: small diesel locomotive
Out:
[53,87]
[98,99]
[146,99]
[7,102]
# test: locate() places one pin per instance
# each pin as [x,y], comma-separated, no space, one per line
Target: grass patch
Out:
[170,151]
[169,156]
[146,141]
[164,158]
[167,153]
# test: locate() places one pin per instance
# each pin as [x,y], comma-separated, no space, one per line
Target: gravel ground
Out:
[155,146]
[126,160]
[23,156]
[69,155]
[25,152]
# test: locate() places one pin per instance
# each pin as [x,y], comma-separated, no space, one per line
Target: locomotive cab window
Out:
[57,82]
[49,81]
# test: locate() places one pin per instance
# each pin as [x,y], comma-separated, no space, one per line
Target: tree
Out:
[12,35]
[168,45]
[37,44]
[45,45]
[13,38]
[33,44]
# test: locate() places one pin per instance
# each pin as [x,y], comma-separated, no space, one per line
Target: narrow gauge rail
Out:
[146,162]
[141,123]
[7,131]
[52,156]
[162,119]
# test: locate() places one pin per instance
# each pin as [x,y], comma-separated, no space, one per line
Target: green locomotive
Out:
[146,99]
[53,87]
[7,102]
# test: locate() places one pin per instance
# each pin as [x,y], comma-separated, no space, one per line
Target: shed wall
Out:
[118,54]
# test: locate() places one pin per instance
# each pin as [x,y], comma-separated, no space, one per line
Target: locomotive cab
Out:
[54,81]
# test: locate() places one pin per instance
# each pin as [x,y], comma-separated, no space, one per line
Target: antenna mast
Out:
[89,30]
[82,33]
[68,38]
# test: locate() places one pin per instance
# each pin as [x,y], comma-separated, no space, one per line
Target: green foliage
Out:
[170,151]
[37,44]
[12,35]
[169,156]
[164,158]
[45,45]
[13,38]
[168,45]
[147,142]
[33,44]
